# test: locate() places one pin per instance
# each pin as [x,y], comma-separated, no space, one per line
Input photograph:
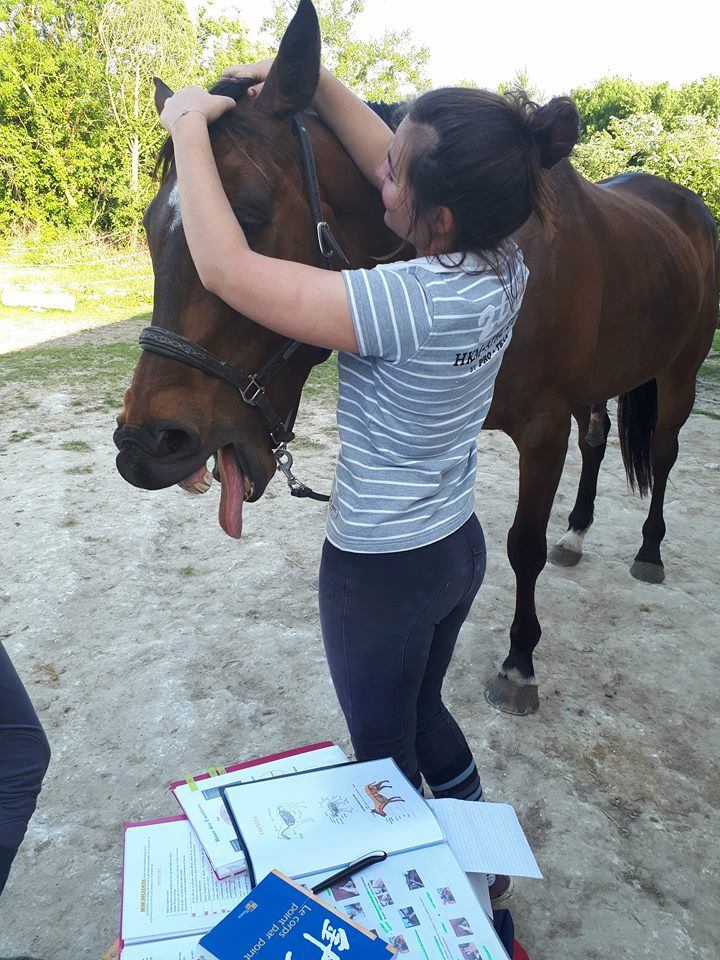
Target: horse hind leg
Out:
[567,552]
[676,396]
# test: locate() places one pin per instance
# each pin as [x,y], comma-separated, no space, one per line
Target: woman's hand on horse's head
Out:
[253,71]
[194,100]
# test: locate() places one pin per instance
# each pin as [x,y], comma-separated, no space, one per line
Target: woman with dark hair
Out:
[420,344]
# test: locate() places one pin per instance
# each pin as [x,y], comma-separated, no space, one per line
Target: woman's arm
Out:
[363,134]
[298,301]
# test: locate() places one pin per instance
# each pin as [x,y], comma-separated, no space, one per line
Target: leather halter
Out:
[252,387]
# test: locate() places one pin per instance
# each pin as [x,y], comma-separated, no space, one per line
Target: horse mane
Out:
[234,122]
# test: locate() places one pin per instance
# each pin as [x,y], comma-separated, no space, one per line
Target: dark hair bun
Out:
[555,129]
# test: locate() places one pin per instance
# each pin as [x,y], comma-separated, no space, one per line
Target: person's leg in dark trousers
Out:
[24,758]
[449,773]
[381,615]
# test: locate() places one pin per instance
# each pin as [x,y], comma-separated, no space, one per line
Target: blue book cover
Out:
[280,920]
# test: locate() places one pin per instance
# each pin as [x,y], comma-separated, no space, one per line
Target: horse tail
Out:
[637,418]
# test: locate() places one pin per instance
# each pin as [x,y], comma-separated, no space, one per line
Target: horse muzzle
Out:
[158,455]
[161,454]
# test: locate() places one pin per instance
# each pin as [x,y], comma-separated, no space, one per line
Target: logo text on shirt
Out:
[483,353]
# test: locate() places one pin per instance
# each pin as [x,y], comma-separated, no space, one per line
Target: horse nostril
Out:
[158,441]
[168,442]
[173,440]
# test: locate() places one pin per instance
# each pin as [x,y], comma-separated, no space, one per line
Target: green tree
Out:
[389,67]
[688,153]
[142,39]
[222,41]
[700,98]
[522,81]
[611,97]
[51,115]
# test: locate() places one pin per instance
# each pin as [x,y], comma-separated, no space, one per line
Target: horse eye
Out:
[251,220]
[250,224]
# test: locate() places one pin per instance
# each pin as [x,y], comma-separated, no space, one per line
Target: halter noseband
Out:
[252,387]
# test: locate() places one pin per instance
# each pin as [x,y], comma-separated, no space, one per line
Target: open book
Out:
[324,819]
[311,824]
[202,803]
[170,895]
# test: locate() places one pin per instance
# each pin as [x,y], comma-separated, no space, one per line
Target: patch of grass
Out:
[109,283]
[307,443]
[77,446]
[83,469]
[707,413]
[16,436]
[187,571]
[710,372]
[68,522]
[81,371]
[323,380]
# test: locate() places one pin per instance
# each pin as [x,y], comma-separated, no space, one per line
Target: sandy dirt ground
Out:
[153,646]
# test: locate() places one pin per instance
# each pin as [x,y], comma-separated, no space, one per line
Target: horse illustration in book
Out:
[374,791]
[292,817]
[337,808]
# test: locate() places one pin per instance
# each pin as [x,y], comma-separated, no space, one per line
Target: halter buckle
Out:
[245,392]
[323,225]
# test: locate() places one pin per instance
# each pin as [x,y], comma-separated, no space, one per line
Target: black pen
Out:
[352,868]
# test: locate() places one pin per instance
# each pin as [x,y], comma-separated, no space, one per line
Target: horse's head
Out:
[176,416]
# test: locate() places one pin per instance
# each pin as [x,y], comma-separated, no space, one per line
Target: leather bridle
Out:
[252,386]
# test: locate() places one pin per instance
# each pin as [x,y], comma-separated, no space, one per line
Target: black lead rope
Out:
[252,387]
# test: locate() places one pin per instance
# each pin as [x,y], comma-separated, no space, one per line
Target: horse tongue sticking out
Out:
[232,492]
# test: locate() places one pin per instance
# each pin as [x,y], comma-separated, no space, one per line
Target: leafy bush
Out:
[687,151]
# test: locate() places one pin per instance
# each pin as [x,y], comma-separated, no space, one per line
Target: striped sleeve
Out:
[391,312]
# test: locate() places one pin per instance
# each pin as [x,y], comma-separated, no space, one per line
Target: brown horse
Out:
[622,300]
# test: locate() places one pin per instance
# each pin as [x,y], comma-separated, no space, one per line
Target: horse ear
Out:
[294,76]
[162,93]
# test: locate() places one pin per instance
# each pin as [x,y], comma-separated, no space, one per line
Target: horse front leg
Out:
[568,550]
[542,446]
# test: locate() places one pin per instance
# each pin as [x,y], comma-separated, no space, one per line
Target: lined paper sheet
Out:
[485,837]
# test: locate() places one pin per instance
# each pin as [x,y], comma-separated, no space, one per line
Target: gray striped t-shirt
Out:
[412,402]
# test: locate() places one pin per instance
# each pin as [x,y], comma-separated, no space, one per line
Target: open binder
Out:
[312,823]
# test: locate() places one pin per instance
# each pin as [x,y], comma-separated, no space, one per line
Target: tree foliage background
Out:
[79,134]
[78,129]
[673,133]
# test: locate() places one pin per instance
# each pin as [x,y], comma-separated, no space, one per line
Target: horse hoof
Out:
[648,572]
[562,557]
[505,695]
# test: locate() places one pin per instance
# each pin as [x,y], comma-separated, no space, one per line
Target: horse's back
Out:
[686,210]
[692,245]
[616,290]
